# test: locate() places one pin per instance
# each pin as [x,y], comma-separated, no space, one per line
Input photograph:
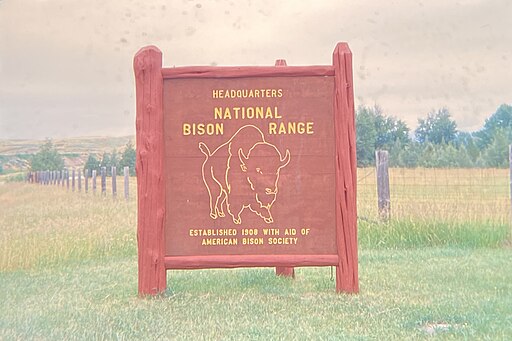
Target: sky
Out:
[66,66]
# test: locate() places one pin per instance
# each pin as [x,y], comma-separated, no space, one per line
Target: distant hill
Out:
[73,145]
[14,154]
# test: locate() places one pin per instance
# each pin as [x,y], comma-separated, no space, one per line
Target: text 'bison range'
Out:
[243,173]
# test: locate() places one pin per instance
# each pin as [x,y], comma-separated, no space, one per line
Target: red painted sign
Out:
[249,166]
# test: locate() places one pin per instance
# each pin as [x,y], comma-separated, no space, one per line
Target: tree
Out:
[366,136]
[47,158]
[114,159]
[496,153]
[105,162]
[500,121]
[91,164]
[375,131]
[437,128]
[128,158]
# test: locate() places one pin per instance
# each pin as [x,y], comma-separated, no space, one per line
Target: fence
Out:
[72,180]
[413,194]
[434,194]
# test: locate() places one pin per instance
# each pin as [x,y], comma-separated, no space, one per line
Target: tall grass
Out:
[43,225]
[439,195]
[68,271]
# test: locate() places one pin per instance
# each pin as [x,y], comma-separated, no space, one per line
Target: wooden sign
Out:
[245,167]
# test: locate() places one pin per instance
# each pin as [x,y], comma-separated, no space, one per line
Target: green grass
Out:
[413,234]
[402,293]
[68,270]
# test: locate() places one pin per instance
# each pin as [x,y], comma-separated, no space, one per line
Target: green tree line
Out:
[436,142]
[113,159]
[48,158]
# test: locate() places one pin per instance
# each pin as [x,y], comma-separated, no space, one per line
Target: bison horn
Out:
[286,159]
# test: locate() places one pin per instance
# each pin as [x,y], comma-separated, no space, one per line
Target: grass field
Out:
[68,270]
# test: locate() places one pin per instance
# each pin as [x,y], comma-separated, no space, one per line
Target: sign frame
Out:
[150,167]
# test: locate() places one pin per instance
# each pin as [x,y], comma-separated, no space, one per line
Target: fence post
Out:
[510,177]
[79,180]
[86,180]
[103,180]
[126,182]
[94,181]
[114,181]
[73,179]
[67,179]
[382,163]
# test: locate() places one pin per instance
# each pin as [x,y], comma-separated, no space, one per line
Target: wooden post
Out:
[384,202]
[347,278]
[94,181]
[147,65]
[284,270]
[510,177]
[73,179]
[126,182]
[67,179]
[79,180]
[86,180]
[114,182]
[103,180]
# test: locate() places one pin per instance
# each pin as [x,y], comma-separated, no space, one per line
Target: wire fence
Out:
[433,194]
[92,181]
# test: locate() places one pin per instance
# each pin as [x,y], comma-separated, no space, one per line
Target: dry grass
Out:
[42,225]
[439,195]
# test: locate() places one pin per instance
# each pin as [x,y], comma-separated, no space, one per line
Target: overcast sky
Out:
[66,65]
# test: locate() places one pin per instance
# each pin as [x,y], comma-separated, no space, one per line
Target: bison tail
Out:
[204,149]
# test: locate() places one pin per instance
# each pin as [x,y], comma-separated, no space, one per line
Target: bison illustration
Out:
[243,173]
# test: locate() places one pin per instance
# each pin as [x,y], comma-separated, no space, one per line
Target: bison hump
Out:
[245,138]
